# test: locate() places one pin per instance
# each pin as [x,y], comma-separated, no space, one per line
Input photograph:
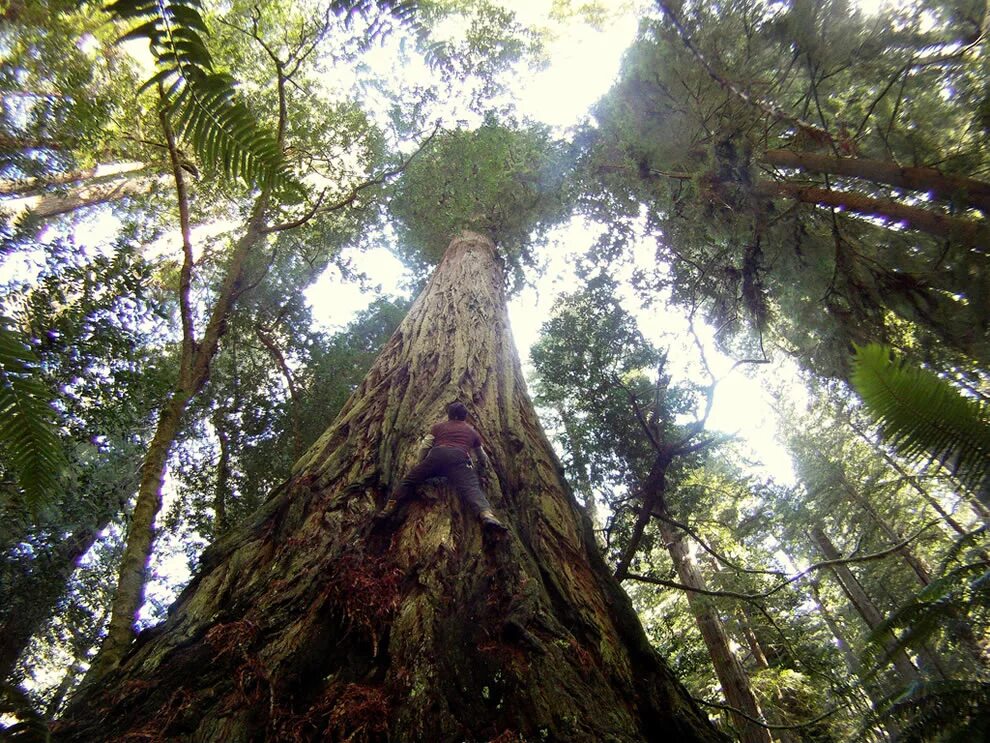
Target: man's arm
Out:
[425,444]
[482,458]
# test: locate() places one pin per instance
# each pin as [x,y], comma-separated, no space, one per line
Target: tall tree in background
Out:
[593,364]
[315,622]
[807,180]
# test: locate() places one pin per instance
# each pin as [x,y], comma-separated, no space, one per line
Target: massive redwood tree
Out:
[318,622]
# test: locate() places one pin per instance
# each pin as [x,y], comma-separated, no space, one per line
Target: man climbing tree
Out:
[314,623]
[446,453]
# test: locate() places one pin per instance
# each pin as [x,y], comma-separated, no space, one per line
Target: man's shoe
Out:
[488,521]
[387,510]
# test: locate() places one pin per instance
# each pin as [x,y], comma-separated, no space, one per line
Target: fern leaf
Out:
[204,103]
[27,420]
[924,417]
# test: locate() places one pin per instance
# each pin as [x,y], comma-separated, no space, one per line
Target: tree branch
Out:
[757,597]
[972,233]
[768,726]
[185,273]
[354,192]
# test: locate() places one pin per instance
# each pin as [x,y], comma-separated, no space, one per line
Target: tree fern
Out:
[27,431]
[953,711]
[206,109]
[924,417]
[204,104]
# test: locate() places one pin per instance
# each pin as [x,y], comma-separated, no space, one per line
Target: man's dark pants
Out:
[454,464]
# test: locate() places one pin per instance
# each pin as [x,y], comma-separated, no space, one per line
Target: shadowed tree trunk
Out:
[317,622]
[729,671]
[864,605]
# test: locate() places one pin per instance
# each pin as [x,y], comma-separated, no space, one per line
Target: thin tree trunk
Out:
[32,600]
[919,569]
[911,480]
[317,621]
[100,191]
[26,186]
[582,484]
[194,363]
[852,663]
[729,671]
[950,187]
[221,523]
[864,606]
[760,661]
[869,695]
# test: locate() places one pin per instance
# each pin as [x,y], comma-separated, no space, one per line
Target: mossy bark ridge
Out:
[318,622]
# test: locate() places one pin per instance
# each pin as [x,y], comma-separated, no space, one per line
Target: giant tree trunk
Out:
[731,675]
[317,622]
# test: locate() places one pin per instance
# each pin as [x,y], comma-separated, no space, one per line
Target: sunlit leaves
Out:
[205,107]
[502,181]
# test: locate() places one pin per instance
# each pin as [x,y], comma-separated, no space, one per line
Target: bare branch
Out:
[757,597]
[351,197]
[768,726]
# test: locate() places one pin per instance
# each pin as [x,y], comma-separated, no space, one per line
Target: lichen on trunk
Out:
[317,621]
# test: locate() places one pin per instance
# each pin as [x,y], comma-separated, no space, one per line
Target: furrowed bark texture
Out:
[318,622]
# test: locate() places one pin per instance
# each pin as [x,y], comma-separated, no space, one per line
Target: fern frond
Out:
[924,417]
[27,420]
[941,710]
[203,103]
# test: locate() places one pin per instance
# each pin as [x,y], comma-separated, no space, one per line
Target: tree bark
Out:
[26,186]
[864,606]
[950,187]
[731,675]
[100,191]
[317,621]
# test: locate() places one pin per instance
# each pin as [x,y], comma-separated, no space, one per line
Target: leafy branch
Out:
[203,103]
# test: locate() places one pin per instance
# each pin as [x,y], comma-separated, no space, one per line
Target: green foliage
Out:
[672,145]
[505,182]
[953,711]
[203,102]
[924,417]
[27,420]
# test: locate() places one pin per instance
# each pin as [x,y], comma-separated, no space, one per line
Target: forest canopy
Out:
[749,284]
